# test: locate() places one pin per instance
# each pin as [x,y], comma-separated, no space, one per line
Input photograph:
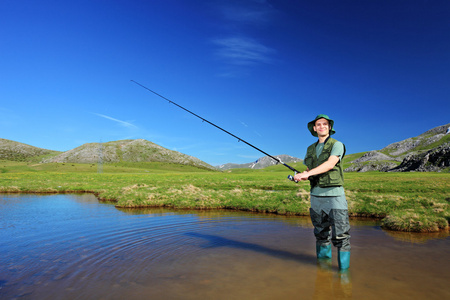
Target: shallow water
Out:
[73,247]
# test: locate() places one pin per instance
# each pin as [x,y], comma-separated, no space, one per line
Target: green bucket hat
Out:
[313,122]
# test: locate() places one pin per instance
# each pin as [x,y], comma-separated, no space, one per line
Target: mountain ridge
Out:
[138,150]
[16,151]
[260,163]
[429,151]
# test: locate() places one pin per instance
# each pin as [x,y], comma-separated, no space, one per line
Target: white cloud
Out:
[122,123]
[257,133]
[237,48]
[243,51]
[243,124]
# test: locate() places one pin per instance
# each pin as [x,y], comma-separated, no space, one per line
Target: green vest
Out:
[334,177]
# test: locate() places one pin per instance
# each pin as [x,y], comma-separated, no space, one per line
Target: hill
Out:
[429,151]
[261,163]
[135,151]
[15,151]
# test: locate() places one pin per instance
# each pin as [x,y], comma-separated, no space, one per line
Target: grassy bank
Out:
[406,201]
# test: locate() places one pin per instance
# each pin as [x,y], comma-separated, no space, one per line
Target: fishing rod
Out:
[290,177]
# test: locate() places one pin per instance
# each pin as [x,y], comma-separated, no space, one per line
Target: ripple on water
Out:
[69,246]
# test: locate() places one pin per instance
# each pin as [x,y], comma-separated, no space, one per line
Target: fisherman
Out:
[329,210]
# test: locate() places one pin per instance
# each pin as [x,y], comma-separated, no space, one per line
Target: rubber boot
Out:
[324,264]
[343,259]
[323,251]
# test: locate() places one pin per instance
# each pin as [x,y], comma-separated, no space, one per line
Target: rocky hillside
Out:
[128,151]
[261,163]
[429,151]
[436,159]
[15,151]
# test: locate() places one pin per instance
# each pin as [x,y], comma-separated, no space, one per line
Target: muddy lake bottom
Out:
[74,247]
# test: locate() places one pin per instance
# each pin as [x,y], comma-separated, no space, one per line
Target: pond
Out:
[74,247]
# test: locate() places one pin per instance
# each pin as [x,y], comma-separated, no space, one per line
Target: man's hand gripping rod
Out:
[290,177]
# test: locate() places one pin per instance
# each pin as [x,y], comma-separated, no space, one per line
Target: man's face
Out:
[322,127]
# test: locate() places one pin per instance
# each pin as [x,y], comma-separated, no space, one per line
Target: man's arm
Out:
[325,167]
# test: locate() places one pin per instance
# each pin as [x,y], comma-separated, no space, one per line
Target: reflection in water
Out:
[217,241]
[72,247]
[332,284]
[221,214]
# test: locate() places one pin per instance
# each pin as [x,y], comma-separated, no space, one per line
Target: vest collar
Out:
[326,140]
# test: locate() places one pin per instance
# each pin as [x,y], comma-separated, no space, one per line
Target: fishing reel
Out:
[291,178]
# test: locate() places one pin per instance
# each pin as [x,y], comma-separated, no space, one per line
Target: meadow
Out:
[416,202]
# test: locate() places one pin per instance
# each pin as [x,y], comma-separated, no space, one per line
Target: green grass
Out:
[406,201]
[122,167]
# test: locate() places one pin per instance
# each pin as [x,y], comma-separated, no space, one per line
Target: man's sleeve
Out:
[338,150]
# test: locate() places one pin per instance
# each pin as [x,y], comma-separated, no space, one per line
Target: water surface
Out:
[73,247]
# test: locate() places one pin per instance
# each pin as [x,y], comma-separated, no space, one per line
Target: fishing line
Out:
[218,127]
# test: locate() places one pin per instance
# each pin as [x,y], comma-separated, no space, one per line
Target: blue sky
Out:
[260,69]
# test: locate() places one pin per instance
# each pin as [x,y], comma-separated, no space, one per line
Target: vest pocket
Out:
[334,175]
[330,178]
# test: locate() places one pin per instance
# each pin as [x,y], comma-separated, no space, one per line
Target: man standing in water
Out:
[329,208]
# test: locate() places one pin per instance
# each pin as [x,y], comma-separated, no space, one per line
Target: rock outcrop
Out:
[432,160]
